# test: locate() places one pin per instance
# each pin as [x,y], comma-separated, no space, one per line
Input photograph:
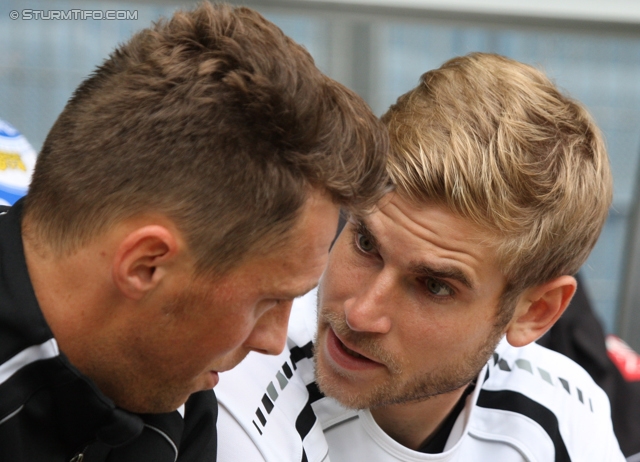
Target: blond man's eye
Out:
[438,288]
[364,243]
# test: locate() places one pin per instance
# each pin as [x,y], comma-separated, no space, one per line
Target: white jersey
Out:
[530,404]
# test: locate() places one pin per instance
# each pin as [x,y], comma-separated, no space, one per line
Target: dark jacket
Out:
[51,412]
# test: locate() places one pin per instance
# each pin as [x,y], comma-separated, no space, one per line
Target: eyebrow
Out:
[419,268]
[424,270]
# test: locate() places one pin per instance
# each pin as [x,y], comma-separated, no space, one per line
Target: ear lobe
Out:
[539,308]
[141,259]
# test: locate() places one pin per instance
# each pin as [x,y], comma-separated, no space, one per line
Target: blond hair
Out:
[494,141]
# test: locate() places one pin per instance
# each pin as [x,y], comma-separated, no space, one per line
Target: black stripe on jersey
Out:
[287,370]
[314,392]
[261,417]
[508,400]
[300,353]
[307,418]
[267,403]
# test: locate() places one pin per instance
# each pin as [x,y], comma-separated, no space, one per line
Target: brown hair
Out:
[219,121]
[494,141]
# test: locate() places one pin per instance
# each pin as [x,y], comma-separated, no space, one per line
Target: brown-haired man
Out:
[187,193]
[429,306]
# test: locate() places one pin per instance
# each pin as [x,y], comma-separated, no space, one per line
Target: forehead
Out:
[430,235]
[294,266]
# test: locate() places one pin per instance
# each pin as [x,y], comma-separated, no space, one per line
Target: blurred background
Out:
[590,48]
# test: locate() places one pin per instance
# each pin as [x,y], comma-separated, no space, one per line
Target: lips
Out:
[346,357]
[212,379]
[351,352]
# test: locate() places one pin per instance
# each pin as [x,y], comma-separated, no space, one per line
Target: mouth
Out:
[212,379]
[351,352]
[347,357]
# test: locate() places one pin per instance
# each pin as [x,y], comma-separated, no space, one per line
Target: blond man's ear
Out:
[538,308]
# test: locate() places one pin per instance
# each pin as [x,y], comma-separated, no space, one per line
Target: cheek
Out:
[447,341]
[218,330]
[206,349]
[422,336]
[344,275]
[477,326]
[228,333]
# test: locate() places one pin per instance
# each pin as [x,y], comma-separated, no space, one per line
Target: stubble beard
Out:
[395,388]
[149,390]
[131,389]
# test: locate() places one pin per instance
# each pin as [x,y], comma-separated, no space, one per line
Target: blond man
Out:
[430,306]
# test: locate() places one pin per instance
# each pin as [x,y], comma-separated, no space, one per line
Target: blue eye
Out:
[438,288]
[364,243]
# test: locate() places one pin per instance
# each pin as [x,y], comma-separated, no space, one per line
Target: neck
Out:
[413,423]
[70,294]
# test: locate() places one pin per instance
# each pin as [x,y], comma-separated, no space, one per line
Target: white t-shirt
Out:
[17,160]
[529,404]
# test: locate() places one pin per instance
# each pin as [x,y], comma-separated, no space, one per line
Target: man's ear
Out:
[538,309]
[141,259]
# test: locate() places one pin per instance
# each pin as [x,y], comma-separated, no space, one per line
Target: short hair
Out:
[494,141]
[215,119]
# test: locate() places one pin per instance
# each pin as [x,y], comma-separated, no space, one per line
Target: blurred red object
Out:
[624,357]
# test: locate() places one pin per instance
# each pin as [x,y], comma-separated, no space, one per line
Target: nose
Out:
[369,309]
[269,334]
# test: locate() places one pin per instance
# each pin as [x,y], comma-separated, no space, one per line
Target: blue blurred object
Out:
[17,159]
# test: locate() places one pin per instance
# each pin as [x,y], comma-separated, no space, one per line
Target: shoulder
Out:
[545,403]
[545,377]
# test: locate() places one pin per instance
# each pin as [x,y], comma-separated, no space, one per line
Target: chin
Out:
[155,403]
[349,399]
[337,387]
